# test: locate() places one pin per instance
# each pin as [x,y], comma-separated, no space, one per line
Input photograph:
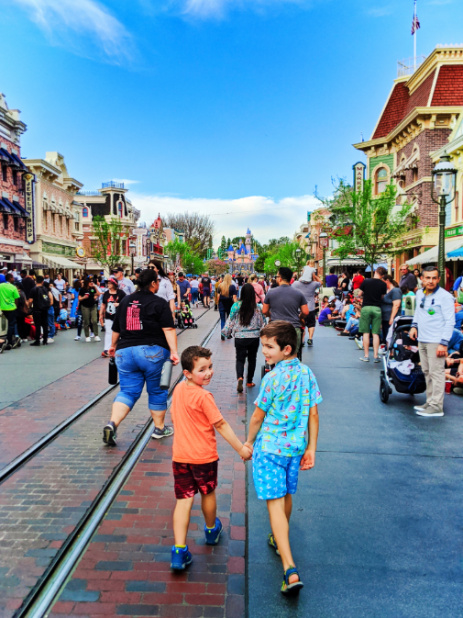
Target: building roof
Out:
[438,82]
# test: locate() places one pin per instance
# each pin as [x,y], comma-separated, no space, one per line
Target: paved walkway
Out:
[125,571]
[376,527]
[41,504]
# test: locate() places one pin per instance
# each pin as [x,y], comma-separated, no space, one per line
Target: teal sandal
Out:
[273,543]
[286,587]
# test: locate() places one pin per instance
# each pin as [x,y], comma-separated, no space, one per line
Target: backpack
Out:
[41,298]
[460,292]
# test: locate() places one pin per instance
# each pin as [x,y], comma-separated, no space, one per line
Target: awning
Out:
[17,162]
[20,208]
[431,255]
[345,262]
[24,258]
[58,261]
[5,156]
[456,255]
[375,266]
[6,208]
[14,207]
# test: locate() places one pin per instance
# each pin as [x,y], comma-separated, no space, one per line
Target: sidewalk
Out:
[126,572]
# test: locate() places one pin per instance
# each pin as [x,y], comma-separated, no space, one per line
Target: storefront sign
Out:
[359,175]
[456,231]
[29,206]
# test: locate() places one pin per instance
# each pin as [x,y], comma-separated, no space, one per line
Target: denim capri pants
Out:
[137,365]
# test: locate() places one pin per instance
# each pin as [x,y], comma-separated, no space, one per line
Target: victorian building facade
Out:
[110,202]
[422,112]
[16,182]
[57,216]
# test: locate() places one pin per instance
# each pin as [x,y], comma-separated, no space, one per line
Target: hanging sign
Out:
[359,175]
[29,206]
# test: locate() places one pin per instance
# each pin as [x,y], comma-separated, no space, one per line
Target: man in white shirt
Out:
[433,325]
[123,282]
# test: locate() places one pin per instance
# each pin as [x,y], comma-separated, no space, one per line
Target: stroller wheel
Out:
[384,391]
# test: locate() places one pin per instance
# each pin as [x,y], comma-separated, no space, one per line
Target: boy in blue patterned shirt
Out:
[283,431]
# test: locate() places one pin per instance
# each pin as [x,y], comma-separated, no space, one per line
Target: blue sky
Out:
[217,106]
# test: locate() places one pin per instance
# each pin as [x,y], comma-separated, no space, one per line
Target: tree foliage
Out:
[182,254]
[286,254]
[198,229]
[216,267]
[107,247]
[368,225]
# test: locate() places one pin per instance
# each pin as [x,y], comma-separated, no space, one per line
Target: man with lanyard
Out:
[286,303]
[308,288]
[183,290]
[433,325]
[124,283]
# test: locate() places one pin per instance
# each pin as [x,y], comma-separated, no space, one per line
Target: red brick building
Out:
[16,217]
[420,114]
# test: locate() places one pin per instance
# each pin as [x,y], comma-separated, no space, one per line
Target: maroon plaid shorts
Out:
[191,478]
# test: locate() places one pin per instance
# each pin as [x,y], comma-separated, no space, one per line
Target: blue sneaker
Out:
[181,558]
[213,534]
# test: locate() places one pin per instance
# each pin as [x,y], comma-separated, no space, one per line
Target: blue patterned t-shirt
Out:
[286,395]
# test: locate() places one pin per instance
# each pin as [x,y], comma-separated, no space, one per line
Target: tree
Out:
[198,229]
[216,267]
[189,261]
[367,225]
[285,254]
[106,248]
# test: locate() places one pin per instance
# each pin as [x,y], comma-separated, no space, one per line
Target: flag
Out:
[415,24]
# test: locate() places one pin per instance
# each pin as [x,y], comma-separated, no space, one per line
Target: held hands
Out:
[308,460]
[246,451]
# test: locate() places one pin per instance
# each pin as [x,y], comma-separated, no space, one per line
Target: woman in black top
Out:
[110,302]
[144,337]
[88,301]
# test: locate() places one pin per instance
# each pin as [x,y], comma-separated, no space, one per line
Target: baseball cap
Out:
[119,269]
[4,268]
[113,280]
[138,270]
[331,298]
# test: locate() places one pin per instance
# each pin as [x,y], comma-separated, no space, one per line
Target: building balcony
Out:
[112,185]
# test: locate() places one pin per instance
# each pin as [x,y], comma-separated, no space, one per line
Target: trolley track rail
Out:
[49,586]
[49,437]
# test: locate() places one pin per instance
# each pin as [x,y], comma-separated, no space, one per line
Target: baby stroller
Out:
[401,363]
[185,318]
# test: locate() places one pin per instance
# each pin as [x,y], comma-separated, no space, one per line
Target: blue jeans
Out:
[51,322]
[12,325]
[137,365]
[194,295]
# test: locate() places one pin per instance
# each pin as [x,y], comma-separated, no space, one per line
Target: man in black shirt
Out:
[372,291]
[206,281]
[42,300]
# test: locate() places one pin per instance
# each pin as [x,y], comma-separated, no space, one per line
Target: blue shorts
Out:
[137,365]
[274,475]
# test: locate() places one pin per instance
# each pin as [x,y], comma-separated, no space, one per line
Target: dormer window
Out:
[120,208]
[85,212]
[380,180]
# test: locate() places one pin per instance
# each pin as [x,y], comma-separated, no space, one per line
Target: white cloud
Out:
[205,9]
[126,181]
[83,26]
[267,218]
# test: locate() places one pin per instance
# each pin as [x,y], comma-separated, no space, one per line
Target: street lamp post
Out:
[133,251]
[443,193]
[324,241]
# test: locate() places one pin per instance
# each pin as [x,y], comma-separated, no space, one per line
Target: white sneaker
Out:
[87,339]
[50,340]
[358,343]
[97,338]
[77,338]
[420,408]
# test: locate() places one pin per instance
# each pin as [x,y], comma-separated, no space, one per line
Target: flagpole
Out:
[414,39]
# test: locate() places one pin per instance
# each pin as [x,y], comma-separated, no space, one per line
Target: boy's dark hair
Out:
[381,271]
[191,354]
[332,269]
[285,273]
[39,279]
[283,332]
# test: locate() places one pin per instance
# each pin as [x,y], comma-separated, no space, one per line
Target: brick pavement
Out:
[125,570]
[43,501]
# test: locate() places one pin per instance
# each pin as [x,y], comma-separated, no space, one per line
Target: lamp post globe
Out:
[443,193]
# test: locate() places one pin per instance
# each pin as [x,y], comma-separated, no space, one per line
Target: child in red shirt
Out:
[194,454]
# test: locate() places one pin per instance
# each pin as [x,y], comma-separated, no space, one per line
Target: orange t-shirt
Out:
[194,413]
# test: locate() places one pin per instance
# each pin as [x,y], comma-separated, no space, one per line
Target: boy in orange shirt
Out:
[194,457]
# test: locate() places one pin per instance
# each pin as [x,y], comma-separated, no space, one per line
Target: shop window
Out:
[380,180]
[4,173]
[85,212]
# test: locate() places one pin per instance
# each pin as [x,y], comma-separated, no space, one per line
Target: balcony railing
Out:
[88,193]
[112,185]
[409,65]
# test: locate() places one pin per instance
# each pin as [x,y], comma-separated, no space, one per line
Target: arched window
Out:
[120,208]
[380,180]
[85,212]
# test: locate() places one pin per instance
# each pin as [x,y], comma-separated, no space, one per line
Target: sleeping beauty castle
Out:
[242,258]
